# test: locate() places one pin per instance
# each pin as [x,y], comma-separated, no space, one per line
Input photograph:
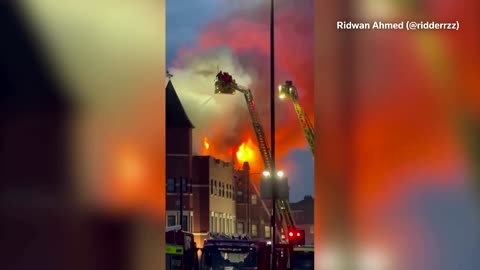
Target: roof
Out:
[176,117]
[306,206]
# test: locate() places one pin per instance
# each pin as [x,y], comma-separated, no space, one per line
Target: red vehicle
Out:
[187,258]
[235,254]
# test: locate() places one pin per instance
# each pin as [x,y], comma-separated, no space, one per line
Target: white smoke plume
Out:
[220,118]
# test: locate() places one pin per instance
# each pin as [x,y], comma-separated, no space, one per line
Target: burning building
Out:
[210,194]
[194,180]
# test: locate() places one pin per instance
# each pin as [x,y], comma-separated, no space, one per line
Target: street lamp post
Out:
[274,186]
[272,129]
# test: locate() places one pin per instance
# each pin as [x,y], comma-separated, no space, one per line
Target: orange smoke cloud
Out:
[246,34]
[400,122]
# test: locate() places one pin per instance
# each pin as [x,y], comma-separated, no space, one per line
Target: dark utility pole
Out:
[181,201]
[272,132]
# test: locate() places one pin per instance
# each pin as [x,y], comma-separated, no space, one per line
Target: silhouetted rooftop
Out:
[306,205]
[176,117]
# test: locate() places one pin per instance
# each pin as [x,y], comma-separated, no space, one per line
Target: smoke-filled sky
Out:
[204,36]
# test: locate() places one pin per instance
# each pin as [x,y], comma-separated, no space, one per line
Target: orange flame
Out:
[246,152]
[205,143]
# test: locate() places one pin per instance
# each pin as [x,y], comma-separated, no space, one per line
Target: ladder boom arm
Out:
[307,126]
[225,84]
[283,207]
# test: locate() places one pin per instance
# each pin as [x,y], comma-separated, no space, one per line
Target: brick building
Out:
[303,213]
[214,196]
[178,162]
[252,218]
[204,182]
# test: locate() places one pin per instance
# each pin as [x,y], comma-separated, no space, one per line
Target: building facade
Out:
[214,191]
[200,189]
[252,217]
[303,213]
[206,194]
[178,137]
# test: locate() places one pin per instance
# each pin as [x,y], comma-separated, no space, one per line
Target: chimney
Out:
[246,167]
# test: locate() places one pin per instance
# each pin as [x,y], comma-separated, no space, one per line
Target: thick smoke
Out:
[224,119]
[220,118]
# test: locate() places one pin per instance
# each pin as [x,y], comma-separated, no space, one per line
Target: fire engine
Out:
[181,250]
[302,258]
[231,253]
[221,251]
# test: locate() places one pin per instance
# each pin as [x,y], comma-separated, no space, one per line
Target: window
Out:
[254,199]
[211,186]
[239,196]
[170,185]
[254,230]
[185,223]
[222,190]
[171,220]
[215,191]
[240,228]
[184,184]
[267,232]
[312,229]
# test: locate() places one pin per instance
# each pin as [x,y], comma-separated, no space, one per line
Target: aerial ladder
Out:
[288,90]
[224,84]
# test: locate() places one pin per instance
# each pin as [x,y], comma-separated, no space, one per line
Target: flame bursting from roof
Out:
[246,152]
[205,143]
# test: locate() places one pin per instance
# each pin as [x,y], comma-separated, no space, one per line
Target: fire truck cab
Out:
[302,258]
[181,250]
[291,257]
[235,254]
